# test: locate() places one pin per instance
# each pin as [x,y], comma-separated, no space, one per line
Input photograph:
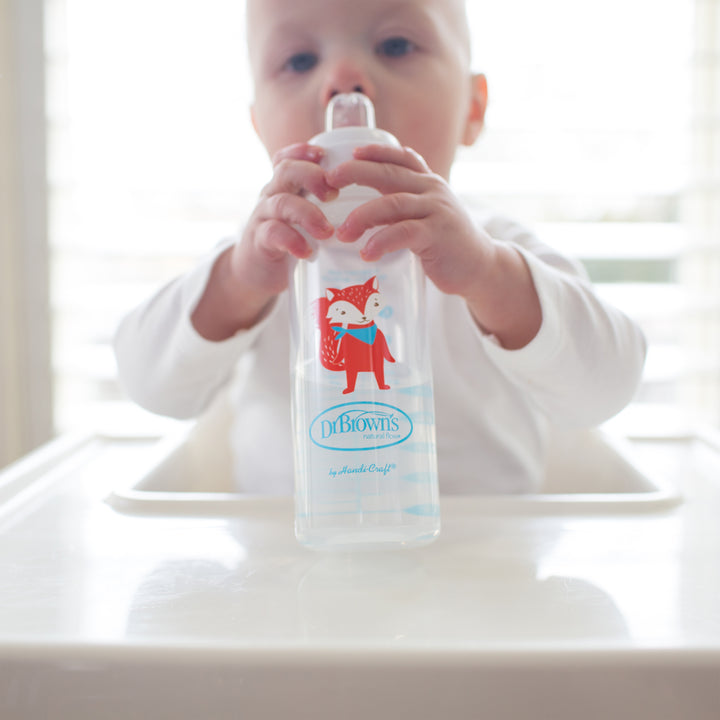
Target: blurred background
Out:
[126,152]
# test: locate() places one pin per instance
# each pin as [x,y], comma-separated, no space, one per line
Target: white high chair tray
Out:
[135,583]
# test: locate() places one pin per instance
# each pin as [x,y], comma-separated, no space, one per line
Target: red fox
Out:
[349,338]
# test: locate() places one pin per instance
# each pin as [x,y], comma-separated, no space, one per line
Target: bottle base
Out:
[364,539]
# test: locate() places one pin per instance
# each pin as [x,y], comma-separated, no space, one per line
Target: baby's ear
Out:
[476,109]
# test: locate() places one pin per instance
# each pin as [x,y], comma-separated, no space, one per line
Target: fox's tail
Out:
[329,344]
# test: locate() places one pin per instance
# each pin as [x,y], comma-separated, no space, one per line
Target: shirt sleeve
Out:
[586,361]
[164,364]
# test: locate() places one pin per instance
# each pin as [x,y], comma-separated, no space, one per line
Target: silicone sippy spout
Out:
[349,110]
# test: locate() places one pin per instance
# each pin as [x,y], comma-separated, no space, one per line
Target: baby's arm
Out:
[579,359]
[586,361]
[169,355]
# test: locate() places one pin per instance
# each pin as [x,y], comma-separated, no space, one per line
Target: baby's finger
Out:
[299,177]
[384,177]
[403,156]
[386,210]
[408,234]
[299,151]
[278,239]
[294,210]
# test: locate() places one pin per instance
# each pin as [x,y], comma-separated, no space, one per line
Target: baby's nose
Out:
[344,76]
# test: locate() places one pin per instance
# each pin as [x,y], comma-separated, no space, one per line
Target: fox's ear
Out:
[372,283]
[330,293]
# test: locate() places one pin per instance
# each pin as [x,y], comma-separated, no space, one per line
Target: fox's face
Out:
[354,305]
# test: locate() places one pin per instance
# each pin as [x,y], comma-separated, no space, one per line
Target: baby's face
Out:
[409,56]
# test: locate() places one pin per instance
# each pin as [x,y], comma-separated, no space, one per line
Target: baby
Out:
[520,342]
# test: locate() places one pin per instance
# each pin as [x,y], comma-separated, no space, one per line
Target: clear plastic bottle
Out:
[362,399]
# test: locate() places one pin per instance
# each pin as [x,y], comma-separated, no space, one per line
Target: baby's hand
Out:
[247,277]
[418,210]
[271,234]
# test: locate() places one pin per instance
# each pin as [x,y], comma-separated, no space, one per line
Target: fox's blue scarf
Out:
[365,334]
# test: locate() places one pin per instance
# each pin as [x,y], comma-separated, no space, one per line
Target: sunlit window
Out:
[153,158]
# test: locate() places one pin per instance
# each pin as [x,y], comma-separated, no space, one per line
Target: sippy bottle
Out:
[362,399]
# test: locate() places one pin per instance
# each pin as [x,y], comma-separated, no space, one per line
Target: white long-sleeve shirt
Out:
[493,407]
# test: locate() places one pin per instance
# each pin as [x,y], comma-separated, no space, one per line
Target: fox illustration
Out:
[349,338]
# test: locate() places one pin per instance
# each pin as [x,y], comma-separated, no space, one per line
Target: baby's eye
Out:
[395,47]
[302,62]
